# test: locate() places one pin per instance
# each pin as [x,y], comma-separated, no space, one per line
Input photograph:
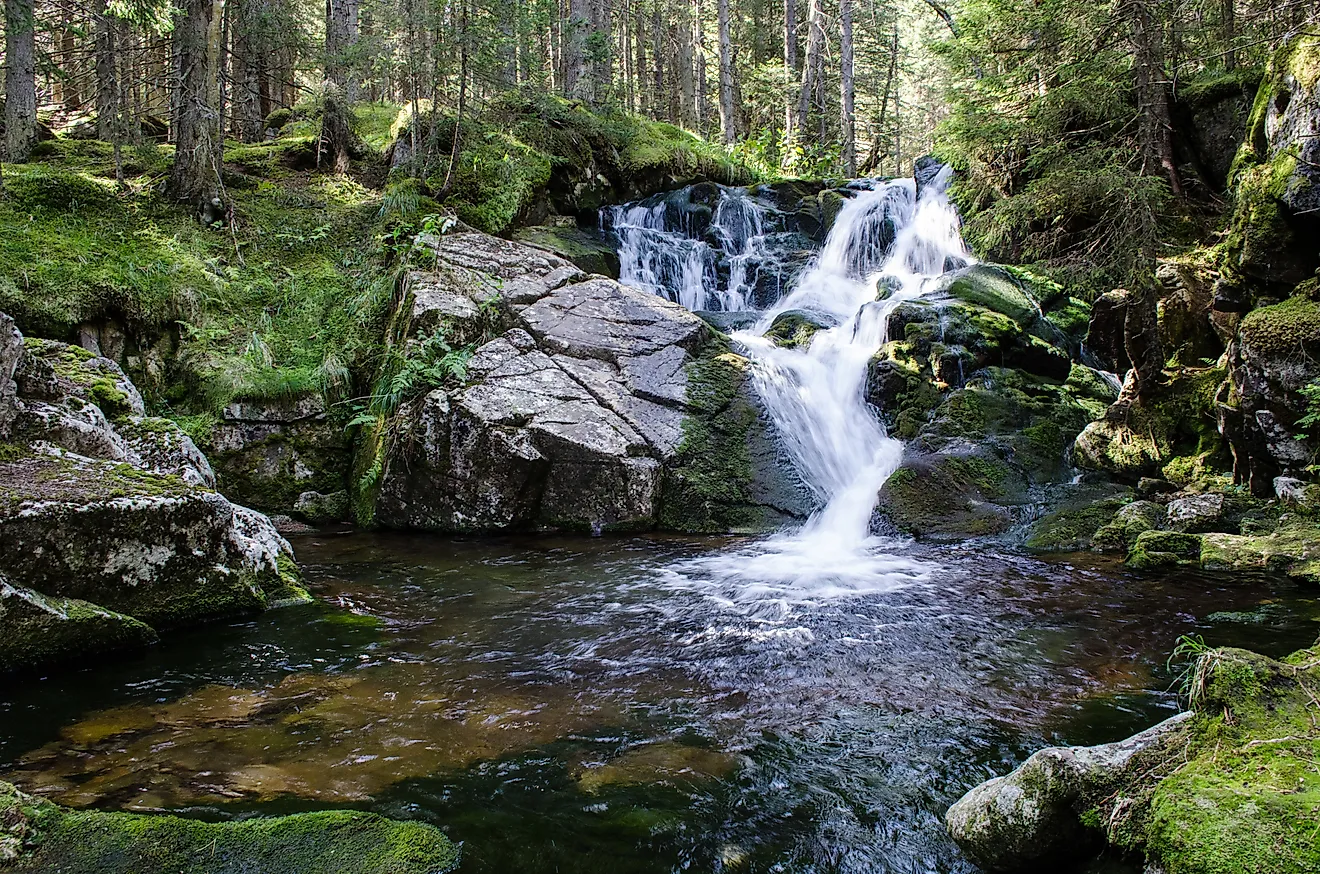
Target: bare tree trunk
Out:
[687,83]
[195,177]
[727,122]
[812,64]
[103,41]
[846,87]
[1156,128]
[341,24]
[790,68]
[1228,20]
[248,49]
[699,62]
[599,50]
[658,53]
[877,137]
[456,144]
[577,77]
[20,81]
[639,65]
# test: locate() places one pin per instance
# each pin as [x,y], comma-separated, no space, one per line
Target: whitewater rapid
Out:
[892,242]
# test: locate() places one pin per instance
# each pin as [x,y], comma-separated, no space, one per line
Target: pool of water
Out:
[564,704]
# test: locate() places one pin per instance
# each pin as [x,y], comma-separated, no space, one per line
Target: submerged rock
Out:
[38,629]
[38,836]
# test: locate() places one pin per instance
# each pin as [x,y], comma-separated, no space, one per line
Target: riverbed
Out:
[604,704]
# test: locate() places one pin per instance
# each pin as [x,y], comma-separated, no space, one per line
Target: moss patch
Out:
[328,842]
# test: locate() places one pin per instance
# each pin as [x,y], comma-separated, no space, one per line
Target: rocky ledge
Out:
[587,405]
[1228,788]
[38,836]
[110,528]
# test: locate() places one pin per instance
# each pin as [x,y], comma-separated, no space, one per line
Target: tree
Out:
[790,67]
[577,75]
[813,66]
[195,177]
[341,29]
[20,80]
[1152,87]
[727,123]
[849,145]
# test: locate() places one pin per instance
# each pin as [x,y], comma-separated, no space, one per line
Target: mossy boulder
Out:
[1154,550]
[1292,549]
[795,328]
[36,630]
[1227,788]
[1075,526]
[39,836]
[1127,524]
[952,496]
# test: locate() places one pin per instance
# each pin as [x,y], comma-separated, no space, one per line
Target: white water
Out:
[678,264]
[816,398]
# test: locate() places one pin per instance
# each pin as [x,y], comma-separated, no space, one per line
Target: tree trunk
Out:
[248,50]
[577,76]
[687,83]
[341,24]
[699,64]
[790,68]
[600,50]
[849,146]
[1228,20]
[812,64]
[727,122]
[103,41]
[195,177]
[1156,127]
[658,53]
[20,81]
[642,86]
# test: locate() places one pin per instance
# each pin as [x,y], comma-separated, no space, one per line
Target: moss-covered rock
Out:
[1154,550]
[1129,523]
[40,837]
[1076,527]
[795,328]
[1229,788]
[952,496]
[36,630]
[589,249]
[1293,549]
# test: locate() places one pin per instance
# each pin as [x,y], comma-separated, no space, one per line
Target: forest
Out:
[644,436]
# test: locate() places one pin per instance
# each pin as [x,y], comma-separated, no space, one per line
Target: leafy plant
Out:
[1191,651]
[1310,422]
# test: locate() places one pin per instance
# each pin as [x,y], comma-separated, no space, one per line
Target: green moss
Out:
[1210,88]
[952,496]
[1284,328]
[1161,549]
[707,486]
[327,842]
[1248,796]
[794,329]
[1293,549]
[286,587]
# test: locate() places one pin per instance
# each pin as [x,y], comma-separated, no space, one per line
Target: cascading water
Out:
[892,237]
[701,257]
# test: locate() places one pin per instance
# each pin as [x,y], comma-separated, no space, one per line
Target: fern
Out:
[1309,423]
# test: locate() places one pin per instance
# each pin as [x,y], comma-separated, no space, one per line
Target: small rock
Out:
[320,509]
[1298,494]
[1149,487]
[1129,523]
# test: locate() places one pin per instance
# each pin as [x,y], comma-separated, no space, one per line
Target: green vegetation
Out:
[49,838]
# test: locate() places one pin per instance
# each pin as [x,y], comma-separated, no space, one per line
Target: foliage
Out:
[1310,422]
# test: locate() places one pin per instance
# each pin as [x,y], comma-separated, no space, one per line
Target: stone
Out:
[570,418]
[1296,493]
[1292,549]
[1196,513]
[1154,550]
[1129,523]
[794,328]
[11,350]
[36,630]
[952,496]
[268,453]
[320,509]
[1031,818]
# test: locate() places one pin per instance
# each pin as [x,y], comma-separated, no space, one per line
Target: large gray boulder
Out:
[575,406]
[109,526]
[1031,818]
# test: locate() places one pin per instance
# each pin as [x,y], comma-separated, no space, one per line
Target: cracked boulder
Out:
[574,410]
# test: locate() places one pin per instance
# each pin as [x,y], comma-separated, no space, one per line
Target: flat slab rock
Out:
[567,418]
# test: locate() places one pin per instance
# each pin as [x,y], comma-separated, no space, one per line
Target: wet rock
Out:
[11,350]
[1075,526]
[1032,818]
[36,629]
[727,323]
[1154,550]
[794,328]
[952,496]
[1128,524]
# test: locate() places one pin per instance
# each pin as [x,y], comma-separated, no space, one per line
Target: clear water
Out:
[573,705]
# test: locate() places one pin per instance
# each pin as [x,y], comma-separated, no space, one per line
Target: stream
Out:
[807,702]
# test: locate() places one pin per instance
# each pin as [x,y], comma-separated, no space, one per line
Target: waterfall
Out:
[890,243]
[887,238]
[701,258]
